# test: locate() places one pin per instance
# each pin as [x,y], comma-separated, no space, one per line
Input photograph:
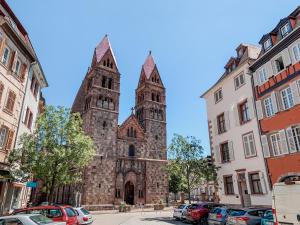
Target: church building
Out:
[130,161]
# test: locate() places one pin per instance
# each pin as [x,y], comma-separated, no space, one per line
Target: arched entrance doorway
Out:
[129,193]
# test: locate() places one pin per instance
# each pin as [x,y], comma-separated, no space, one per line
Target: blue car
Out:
[267,218]
[218,216]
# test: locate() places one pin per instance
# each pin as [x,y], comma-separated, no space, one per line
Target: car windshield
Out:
[237,212]
[268,213]
[217,211]
[84,211]
[53,213]
[181,207]
[40,219]
[193,206]
[70,212]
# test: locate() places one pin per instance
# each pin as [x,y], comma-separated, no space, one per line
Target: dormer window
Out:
[285,29]
[267,44]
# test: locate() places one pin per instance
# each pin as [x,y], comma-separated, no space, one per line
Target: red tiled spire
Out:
[102,48]
[149,65]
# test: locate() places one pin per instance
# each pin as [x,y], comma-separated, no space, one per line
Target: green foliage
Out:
[57,151]
[187,167]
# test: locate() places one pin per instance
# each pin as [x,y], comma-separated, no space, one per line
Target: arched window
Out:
[104,63]
[134,133]
[108,63]
[110,83]
[104,124]
[158,98]
[131,152]
[153,97]
[103,84]
[100,101]
[111,65]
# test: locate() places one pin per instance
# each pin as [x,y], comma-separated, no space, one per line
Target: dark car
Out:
[218,216]
[198,213]
[247,216]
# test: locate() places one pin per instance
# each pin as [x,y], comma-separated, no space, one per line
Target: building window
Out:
[239,81]
[5,56]
[218,95]
[255,183]
[10,101]
[221,123]
[34,87]
[118,193]
[287,98]
[131,132]
[1,90]
[131,152]
[103,83]
[18,67]
[3,136]
[228,185]
[296,52]
[28,118]
[279,64]
[244,112]
[276,146]
[249,145]
[285,29]
[110,83]
[296,136]
[269,107]
[225,155]
[141,194]
[267,44]
[262,75]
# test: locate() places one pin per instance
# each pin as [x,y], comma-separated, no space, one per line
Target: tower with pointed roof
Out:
[130,160]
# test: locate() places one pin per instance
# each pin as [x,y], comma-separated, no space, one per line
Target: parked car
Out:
[218,216]
[246,216]
[184,212]
[83,216]
[285,204]
[59,213]
[28,219]
[178,212]
[267,218]
[198,213]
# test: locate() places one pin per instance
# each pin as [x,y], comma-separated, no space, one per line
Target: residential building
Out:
[276,75]
[234,134]
[16,59]
[130,161]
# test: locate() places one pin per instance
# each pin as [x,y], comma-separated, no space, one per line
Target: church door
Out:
[129,193]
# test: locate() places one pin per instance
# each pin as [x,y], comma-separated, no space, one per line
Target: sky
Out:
[190,40]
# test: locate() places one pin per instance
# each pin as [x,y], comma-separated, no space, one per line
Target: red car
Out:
[57,213]
[198,213]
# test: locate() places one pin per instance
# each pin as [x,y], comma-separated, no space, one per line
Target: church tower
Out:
[98,103]
[150,108]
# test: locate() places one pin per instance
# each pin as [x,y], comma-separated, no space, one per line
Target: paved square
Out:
[136,218]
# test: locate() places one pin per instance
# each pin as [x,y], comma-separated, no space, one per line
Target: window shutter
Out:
[259,110]
[11,60]
[235,181]
[23,72]
[227,121]
[251,108]
[14,61]
[286,58]
[9,140]
[236,115]
[295,91]
[24,113]
[283,142]
[249,188]
[216,126]
[291,140]
[274,102]
[256,79]
[269,69]
[263,183]
[265,146]
[273,67]
[217,154]
[231,151]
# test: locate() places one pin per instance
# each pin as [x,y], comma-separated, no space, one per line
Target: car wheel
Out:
[203,221]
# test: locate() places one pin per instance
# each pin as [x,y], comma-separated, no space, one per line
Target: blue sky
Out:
[190,40]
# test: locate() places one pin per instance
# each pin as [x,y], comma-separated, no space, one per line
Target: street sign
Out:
[31,184]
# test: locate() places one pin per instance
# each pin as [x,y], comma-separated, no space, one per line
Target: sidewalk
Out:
[131,211]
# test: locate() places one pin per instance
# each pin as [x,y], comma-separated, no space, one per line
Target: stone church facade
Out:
[131,158]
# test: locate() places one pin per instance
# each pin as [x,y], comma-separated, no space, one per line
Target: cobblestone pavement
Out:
[136,218]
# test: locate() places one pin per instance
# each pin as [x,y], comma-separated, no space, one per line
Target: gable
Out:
[131,129]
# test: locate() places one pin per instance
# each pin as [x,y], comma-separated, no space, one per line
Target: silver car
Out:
[180,212]
[246,216]
[83,216]
[28,219]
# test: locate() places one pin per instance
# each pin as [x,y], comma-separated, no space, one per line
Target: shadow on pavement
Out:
[162,219]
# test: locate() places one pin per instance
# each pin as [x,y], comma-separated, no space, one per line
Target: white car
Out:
[180,212]
[83,216]
[28,219]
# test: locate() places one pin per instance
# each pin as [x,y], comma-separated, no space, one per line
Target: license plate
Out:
[213,216]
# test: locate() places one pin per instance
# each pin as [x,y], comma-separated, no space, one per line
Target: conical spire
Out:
[149,65]
[102,48]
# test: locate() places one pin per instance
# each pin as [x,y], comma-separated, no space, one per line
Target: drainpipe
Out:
[259,129]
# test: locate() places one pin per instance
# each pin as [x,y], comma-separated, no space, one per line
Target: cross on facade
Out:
[132,110]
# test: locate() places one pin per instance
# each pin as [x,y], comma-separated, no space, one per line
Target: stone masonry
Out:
[130,161]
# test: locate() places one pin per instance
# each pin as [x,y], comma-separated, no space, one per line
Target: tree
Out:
[187,153]
[176,183]
[55,153]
